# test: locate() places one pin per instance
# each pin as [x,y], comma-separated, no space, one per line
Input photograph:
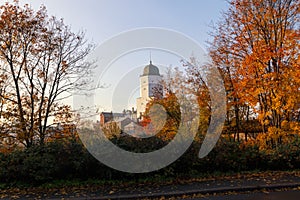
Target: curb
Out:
[196,191]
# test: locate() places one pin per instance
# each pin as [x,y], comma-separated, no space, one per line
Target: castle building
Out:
[150,87]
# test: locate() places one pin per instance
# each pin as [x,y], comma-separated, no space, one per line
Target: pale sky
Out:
[103,19]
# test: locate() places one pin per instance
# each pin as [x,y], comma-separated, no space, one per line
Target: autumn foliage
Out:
[165,127]
[41,61]
[255,47]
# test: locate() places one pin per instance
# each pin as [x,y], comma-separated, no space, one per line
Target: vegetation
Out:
[69,160]
[41,60]
[255,47]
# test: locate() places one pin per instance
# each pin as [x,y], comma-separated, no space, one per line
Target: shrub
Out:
[70,160]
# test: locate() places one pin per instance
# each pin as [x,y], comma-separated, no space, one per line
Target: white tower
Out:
[150,86]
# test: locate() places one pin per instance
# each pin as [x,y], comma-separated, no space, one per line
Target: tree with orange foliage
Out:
[41,60]
[174,109]
[162,116]
[257,47]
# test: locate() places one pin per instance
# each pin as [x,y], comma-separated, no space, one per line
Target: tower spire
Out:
[150,59]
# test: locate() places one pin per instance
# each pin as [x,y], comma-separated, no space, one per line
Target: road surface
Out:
[281,195]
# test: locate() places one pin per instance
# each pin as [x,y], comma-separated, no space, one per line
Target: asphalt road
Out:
[281,195]
[223,187]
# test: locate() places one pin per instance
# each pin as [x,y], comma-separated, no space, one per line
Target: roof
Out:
[111,114]
[122,119]
[106,114]
[151,70]
[131,124]
[119,114]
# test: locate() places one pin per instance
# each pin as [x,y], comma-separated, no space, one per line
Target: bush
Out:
[69,160]
[55,160]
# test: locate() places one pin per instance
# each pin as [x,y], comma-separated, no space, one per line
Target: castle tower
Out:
[150,86]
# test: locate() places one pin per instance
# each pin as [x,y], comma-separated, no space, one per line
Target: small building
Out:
[123,122]
[121,119]
[105,117]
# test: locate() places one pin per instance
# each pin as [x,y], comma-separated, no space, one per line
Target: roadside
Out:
[220,184]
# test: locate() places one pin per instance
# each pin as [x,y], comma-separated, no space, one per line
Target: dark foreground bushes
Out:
[54,160]
[70,160]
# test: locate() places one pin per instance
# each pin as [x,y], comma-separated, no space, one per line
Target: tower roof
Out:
[151,70]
